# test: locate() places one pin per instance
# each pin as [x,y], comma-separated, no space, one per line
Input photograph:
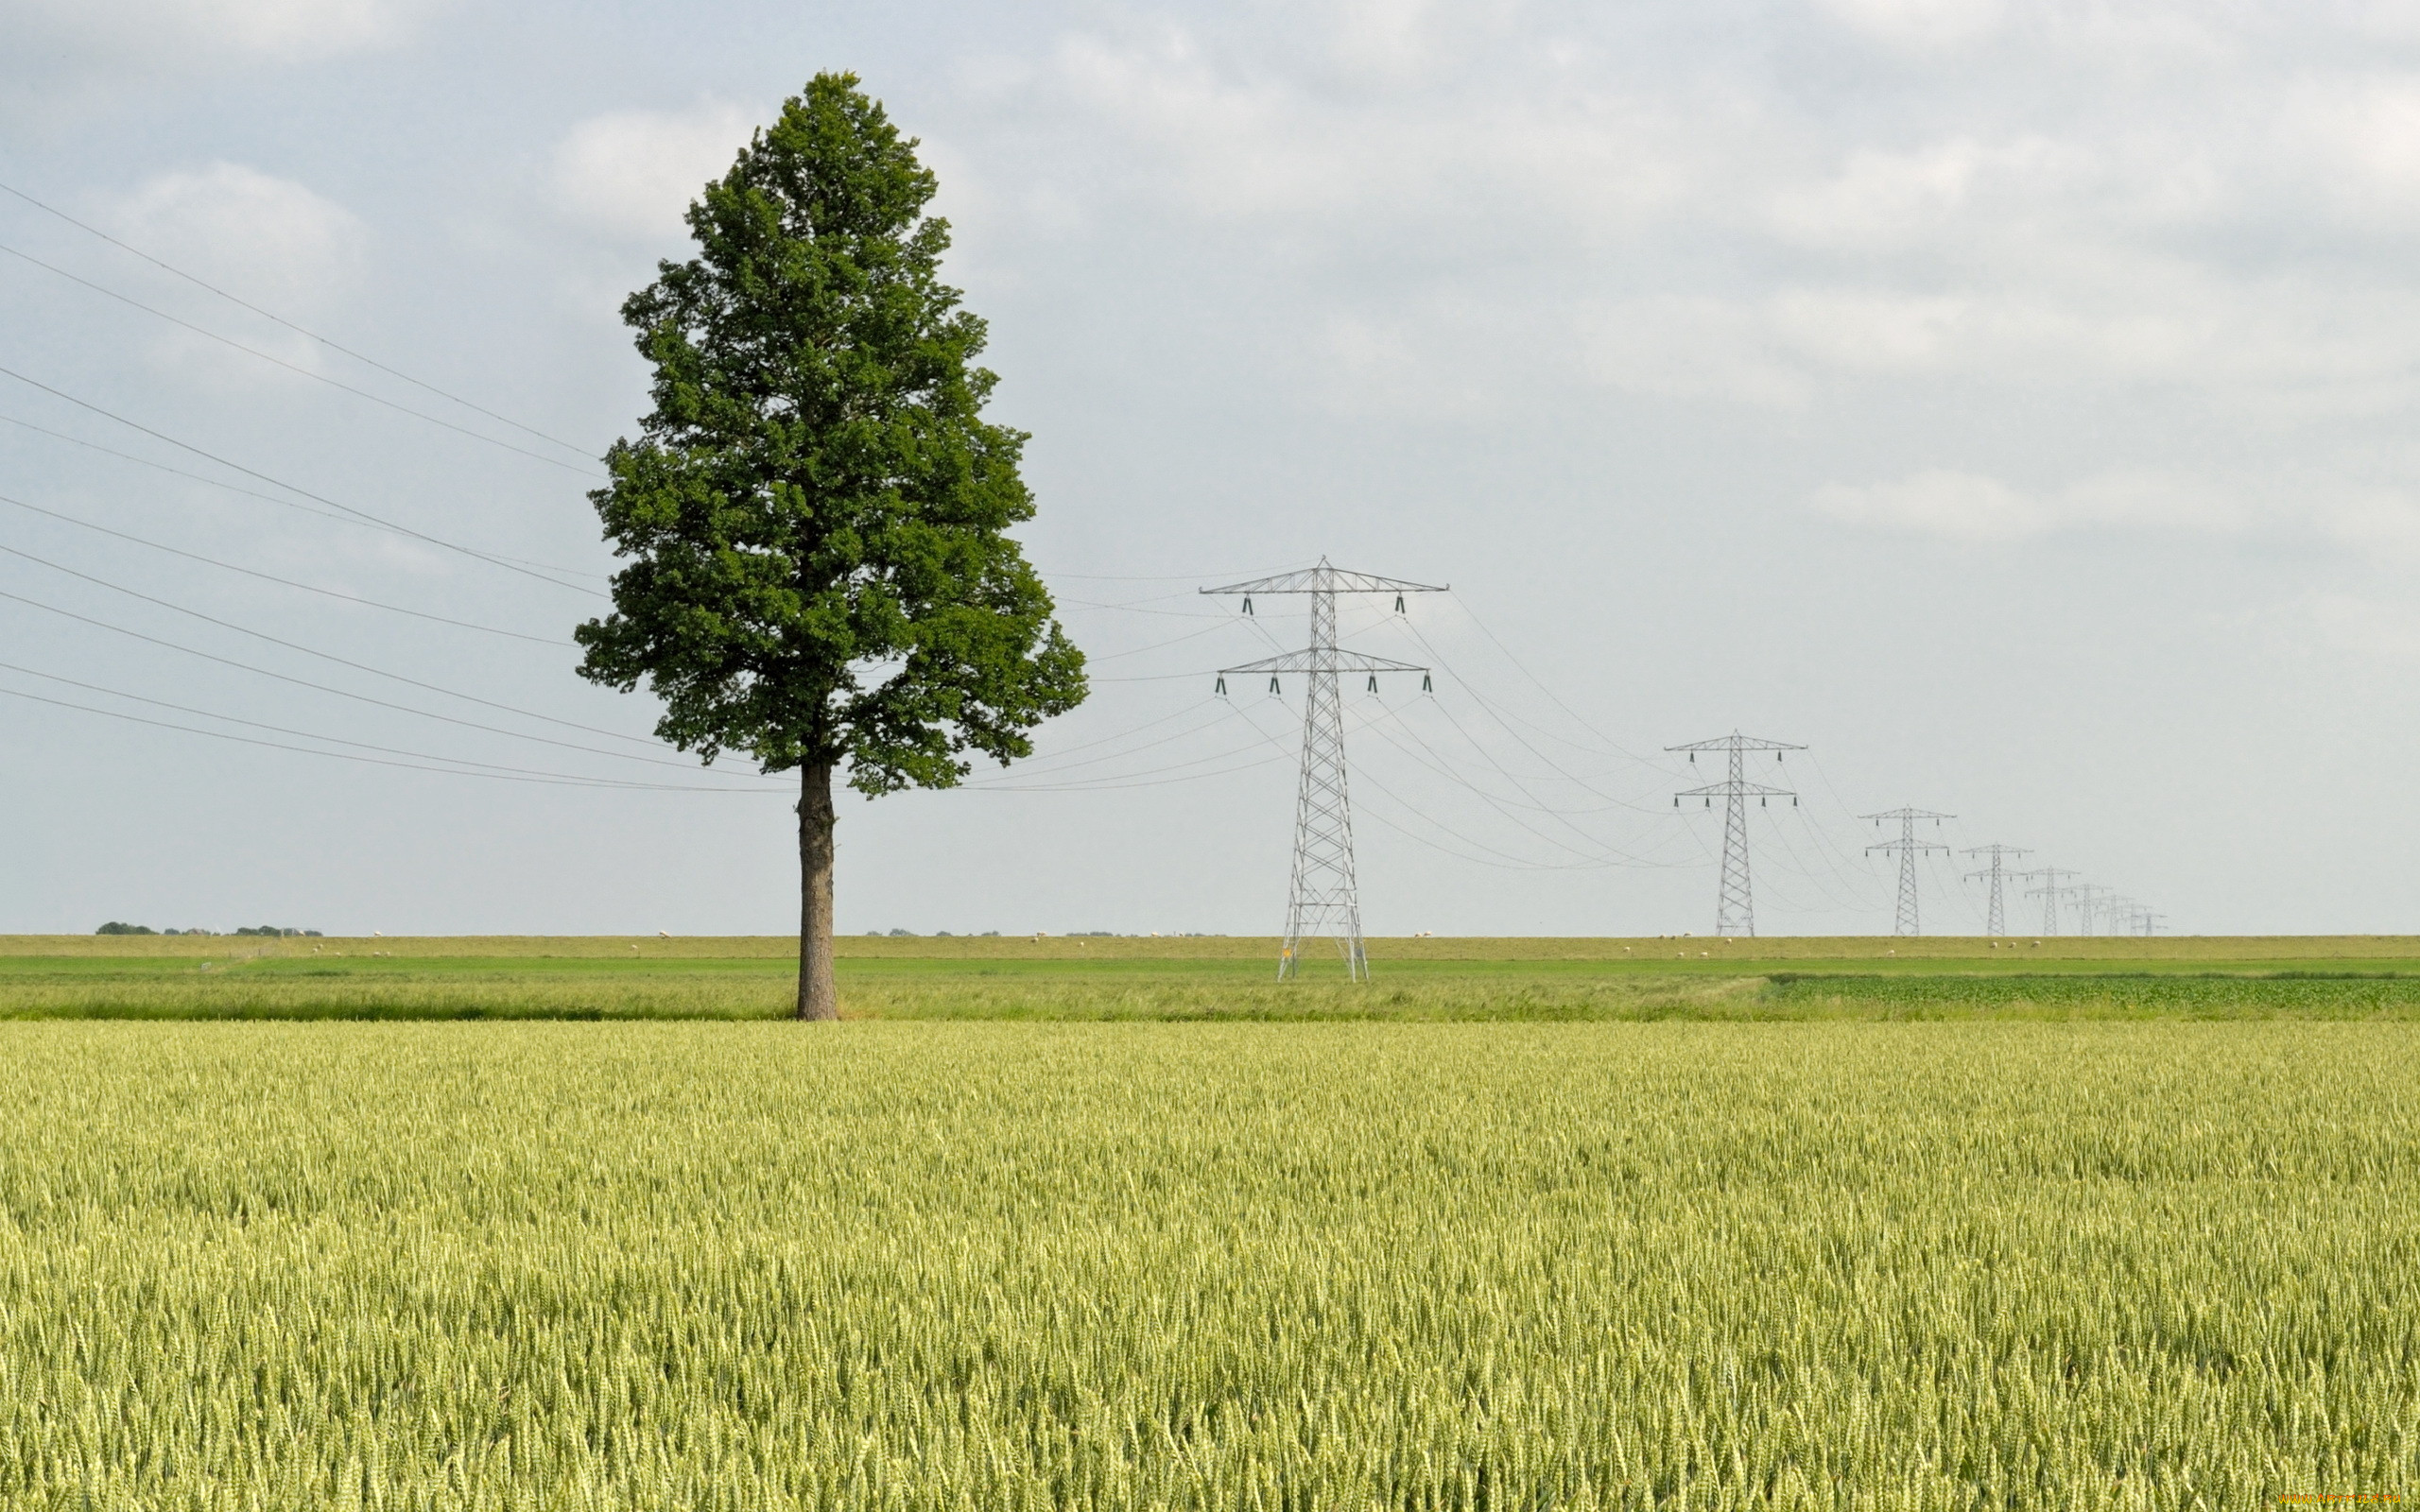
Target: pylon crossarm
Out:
[1326,579]
[1737,742]
[1723,789]
[1320,658]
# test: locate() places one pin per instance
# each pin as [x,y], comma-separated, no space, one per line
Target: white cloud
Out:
[1248,148]
[1919,25]
[269,240]
[1968,506]
[269,237]
[634,172]
[1400,205]
[76,42]
[2356,144]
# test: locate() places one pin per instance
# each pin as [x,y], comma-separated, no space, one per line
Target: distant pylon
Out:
[1994,921]
[1908,848]
[1323,897]
[1734,909]
[2087,900]
[2050,892]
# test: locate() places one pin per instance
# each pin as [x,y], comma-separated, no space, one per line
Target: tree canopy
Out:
[815,512]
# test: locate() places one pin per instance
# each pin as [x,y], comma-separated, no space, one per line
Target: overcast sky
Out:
[2009,402]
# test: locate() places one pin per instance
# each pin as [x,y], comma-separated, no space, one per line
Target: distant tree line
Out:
[939,934]
[268,931]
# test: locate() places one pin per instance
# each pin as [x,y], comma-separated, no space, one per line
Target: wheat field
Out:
[967,1266]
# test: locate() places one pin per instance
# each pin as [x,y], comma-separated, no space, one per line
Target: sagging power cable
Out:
[344,693]
[279,319]
[284,582]
[372,761]
[485,768]
[325,656]
[275,481]
[295,367]
[265,498]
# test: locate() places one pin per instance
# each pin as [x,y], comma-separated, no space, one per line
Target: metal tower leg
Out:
[1323,898]
[1738,913]
[1907,922]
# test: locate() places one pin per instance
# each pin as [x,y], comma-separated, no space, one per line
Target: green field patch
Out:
[633,984]
[2139,994]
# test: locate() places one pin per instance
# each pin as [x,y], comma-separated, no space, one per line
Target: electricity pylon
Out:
[2088,899]
[1994,919]
[1323,897]
[1735,910]
[2050,892]
[1908,848]
[2120,912]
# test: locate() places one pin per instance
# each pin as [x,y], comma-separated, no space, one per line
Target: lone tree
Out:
[815,512]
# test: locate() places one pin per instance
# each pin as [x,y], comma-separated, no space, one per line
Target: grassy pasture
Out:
[1208,1266]
[1021,977]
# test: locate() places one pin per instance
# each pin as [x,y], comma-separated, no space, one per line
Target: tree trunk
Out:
[816,996]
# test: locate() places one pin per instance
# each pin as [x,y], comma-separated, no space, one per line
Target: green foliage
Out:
[114,927]
[1210,1266]
[815,509]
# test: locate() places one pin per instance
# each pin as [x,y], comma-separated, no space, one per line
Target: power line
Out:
[1127,735]
[318,498]
[1136,607]
[1162,645]
[325,656]
[287,582]
[1052,766]
[336,755]
[1994,921]
[1323,895]
[486,768]
[343,692]
[1796,867]
[2087,899]
[265,498]
[1509,862]
[1487,707]
[1437,763]
[279,319]
[1947,882]
[1127,779]
[1735,910]
[1518,665]
[1598,850]
[2050,892]
[298,368]
[1908,849]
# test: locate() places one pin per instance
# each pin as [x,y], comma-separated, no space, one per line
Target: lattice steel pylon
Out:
[1908,848]
[1734,909]
[2089,899]
[1994,921]
[1323,897]
[2050,892]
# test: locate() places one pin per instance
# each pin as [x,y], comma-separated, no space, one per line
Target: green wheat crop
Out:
[977,1266]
